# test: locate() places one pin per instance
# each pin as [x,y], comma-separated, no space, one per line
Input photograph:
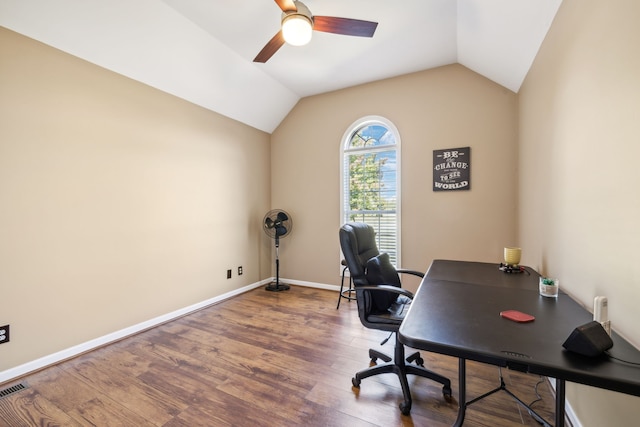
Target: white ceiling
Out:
[202,50]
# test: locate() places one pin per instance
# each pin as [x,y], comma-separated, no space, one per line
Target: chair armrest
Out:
[387,288]
[413,272]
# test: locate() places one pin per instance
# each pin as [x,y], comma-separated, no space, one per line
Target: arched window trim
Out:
[345,149]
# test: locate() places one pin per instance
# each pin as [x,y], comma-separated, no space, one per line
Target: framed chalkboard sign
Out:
[452,169]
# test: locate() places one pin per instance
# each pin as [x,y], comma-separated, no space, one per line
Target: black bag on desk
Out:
[589,339]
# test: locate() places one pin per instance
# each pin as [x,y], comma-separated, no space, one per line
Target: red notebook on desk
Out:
[517,316]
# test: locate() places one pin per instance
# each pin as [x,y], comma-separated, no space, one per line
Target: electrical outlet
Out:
[240,271]
[4,334]
[228,274]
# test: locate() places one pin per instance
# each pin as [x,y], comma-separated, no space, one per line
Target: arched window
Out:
[371,180]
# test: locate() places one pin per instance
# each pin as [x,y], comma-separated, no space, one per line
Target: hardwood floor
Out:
[258,359]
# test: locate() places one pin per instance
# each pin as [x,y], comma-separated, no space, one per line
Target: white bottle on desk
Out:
[601,312]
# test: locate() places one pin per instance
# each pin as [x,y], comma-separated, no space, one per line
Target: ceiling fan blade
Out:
[346,26]
[270,48]
[287,5]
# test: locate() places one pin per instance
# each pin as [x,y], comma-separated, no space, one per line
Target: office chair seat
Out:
[394,314]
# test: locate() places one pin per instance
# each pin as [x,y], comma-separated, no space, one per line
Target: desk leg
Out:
[560,390]
[462,391]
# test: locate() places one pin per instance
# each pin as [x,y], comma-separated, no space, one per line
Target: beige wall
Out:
[118,203]
[579,198]
[446,107]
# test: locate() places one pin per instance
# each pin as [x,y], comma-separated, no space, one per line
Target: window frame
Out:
[345,150]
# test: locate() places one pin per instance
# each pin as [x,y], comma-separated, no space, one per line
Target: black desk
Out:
[456,312]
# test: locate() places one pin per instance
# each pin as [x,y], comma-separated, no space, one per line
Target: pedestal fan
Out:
[277,223]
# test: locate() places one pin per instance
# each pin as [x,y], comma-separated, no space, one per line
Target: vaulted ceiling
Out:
[203,50]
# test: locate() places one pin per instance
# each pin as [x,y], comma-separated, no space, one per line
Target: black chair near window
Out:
[382,304]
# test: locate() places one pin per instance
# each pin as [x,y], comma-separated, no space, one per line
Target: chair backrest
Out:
[358,243]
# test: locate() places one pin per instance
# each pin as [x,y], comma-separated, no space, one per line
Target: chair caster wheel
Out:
[446,392]
[355,382]
[405,408]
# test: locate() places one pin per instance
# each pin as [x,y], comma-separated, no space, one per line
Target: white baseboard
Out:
[311,284]
[76,350]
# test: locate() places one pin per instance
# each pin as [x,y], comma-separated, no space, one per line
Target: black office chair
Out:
[382,304]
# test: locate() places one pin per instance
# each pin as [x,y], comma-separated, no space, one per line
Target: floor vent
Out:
[11,390]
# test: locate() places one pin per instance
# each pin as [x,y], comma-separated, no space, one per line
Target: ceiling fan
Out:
[298,23]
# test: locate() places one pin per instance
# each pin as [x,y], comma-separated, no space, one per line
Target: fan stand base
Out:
[277,287]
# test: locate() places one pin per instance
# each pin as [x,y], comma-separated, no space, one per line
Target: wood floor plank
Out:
[63,390]
[29,408]
[105,412]
[137,397]
[260,359]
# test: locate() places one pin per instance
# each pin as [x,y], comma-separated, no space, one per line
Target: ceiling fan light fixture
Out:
[297,25]
[297,29]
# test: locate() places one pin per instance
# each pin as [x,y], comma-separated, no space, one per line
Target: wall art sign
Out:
[452,169]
